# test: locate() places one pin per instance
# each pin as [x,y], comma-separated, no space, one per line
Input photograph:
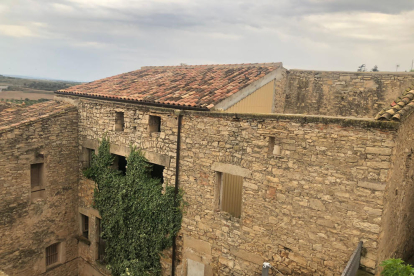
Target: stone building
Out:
[297,183]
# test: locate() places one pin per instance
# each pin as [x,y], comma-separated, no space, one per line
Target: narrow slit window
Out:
[52,256]
[101,242]
[119,121]
[231,194]
[36,176]
[154,124]
[85,226]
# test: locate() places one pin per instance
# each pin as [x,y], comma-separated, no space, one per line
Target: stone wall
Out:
[348,94]
[29,225]
[307,201]
[398,217]
[97,118]
[304,210]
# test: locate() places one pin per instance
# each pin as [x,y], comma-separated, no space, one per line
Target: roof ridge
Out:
[399,108]
[183,65]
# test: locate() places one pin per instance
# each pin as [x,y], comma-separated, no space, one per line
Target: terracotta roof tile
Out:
[12,114]
[200,86]
[398,109]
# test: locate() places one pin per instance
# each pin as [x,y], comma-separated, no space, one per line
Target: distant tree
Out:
[362,68]
[375,69]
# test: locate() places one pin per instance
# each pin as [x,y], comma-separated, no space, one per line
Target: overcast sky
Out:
[90,39]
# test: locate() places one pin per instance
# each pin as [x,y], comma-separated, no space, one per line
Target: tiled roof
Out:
[401,107]
[200,86]
[14,115]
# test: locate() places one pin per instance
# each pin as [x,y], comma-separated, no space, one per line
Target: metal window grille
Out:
[231,194]
[52,254]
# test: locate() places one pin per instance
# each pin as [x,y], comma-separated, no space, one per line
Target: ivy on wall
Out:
[138,221]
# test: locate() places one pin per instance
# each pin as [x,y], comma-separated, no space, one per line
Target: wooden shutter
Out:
[231,198]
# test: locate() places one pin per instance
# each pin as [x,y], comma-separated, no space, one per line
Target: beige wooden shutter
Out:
[231,199]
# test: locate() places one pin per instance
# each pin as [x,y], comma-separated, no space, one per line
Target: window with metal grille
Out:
[101,242]
[85,226]
[36,176]
[119,121]
[52,254]
[231,194]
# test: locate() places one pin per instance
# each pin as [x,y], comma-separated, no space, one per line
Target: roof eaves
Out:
[134,101]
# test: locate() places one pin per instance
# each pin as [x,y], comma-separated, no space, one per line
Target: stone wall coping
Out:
[299,118]
[32,120]
[352,72]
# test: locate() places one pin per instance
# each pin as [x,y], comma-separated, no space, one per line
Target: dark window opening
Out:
[85,226]
[119,121]
[36,176]
[101,242]
[154,124]
[120,163]
[157,172]
[52,254]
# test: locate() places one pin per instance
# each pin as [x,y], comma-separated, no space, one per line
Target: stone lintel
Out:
[372,185]
[231,169]
[250,257]
[199,246]
[89,212]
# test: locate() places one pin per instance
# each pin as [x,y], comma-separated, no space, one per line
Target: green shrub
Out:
[396,267]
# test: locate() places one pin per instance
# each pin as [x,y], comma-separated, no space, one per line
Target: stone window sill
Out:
[83,240]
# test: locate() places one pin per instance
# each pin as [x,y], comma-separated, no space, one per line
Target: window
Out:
[86,157]
[119,121]
[120,163]
[157,172]
[154,124]
[52,255]
[274,149]
[101,242]
[85,226]
[37,181]
[36,176]
[231,187]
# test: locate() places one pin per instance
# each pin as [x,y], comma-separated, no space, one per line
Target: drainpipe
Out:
[177,173]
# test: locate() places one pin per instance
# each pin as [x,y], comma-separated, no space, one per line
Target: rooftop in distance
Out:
[197,86]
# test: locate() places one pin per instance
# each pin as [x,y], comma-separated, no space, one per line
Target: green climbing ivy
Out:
[138,221]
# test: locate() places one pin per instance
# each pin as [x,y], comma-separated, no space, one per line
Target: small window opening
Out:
[86,157]
[154,124]
[52,256]
[37,181]
[274,149]
[231,187]
[85,226]
[157,172]
[119,121]
[120,163]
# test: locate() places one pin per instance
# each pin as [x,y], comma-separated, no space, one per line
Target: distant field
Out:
[21,89]
[21,95]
